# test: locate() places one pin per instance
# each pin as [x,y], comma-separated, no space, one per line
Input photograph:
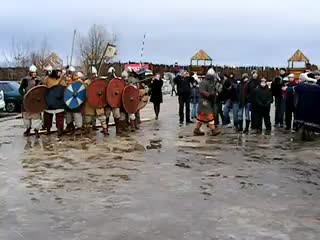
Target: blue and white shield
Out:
[74,95]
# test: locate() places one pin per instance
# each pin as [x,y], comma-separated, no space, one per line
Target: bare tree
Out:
[18,55]
[94,46]
[21,55]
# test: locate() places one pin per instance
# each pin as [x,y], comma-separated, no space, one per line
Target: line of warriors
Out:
[80,120]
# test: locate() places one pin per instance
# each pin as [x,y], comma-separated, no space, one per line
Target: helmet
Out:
[80,75]
[211,72]
[124,74]
[48,68]
[93,70]
[111,70]
[32,69]
[71,69]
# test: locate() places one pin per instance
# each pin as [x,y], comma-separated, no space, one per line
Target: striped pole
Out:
[142,49]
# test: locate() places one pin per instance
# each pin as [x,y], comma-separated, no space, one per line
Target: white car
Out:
[2,103]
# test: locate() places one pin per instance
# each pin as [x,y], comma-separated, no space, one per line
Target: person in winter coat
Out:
[156,94]
[219,99]
[184,83]
[226,92]
[235,100]
[289,100]
[262,100]
[244,105]
[276,88]
[195,95]
[253,84]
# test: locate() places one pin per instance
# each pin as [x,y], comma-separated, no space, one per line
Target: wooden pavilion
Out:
[298,56]
[201,56]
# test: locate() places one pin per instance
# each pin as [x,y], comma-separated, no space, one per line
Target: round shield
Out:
[114,92]
[74,95]
[96,93]
[55,97]
[144,99]
[34,100]
[130,99]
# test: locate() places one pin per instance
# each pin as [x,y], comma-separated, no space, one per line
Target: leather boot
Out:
[117,123]
[214,132]
[240,126]
[60,132]
[198,132]
[137,124]
[133,125]
[48,131]
[246,130]
[105,131]
[37,133]
[27,132]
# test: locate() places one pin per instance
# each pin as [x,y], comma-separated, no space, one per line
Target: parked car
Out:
[12,97]
[2,102]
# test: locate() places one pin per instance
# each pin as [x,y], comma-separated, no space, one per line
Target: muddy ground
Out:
[160,183]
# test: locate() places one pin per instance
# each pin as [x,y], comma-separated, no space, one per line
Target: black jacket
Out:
[156,91]
[262,97]
[243,93]
[227,89]
[183,85]
[276,87]
[235,91]
[252,85]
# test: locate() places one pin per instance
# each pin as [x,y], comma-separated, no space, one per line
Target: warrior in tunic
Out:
[205,114]
[52,80]
[73,116]
[90,112]
[115,111]
[30,120]
[130,79]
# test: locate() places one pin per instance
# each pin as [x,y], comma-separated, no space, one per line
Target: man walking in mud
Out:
[184,83]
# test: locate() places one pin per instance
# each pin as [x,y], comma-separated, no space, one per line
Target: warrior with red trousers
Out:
[52,80]
[30,120]
[208,94]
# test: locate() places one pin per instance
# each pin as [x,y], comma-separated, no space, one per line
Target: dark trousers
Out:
[279,111]
[173,91]
[262,114]
[218,113]
[254,117]
[184,101]
[156,108]
[48,117]
[289,112]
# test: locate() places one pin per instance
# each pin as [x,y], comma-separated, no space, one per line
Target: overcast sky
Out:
[233,32]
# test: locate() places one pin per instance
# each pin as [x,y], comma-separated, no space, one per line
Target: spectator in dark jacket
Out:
[235,100]
[156,94]
[218,101]
[244,105]
[253,84]
[226,92]
[290,100]
[262,99]
[276,88]
[184,84]
[195,94]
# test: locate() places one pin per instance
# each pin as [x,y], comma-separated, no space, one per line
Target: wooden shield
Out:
[34,100]
[55,97]
[74,95]
[114,92]
[96,93]
[130,99]
[144,99]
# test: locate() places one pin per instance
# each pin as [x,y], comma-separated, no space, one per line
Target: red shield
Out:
[34,100]
[144,99]
[130,99]
[96,93]
[114,92]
